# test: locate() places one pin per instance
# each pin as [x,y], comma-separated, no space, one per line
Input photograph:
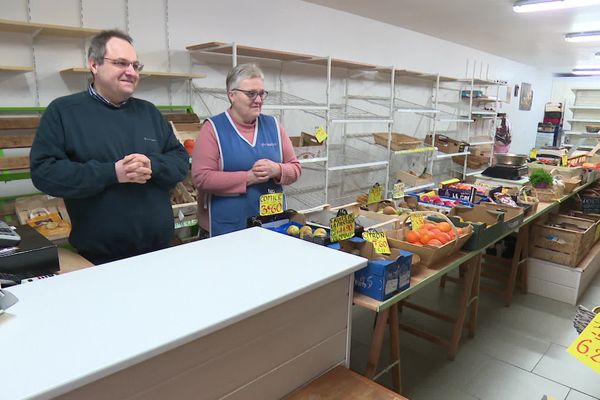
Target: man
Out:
[111,156]
[239,155]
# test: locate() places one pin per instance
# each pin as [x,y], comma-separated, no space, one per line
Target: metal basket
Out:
[583,317]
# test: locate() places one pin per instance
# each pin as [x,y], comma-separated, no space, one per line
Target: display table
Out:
[249,315]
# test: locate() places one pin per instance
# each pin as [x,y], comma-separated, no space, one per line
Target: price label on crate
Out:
[586,348]
[379,241]
[398,191]
[533,153]
[320,134]
[417,220]
[271,203]
[564,160]
[342,227]
[375,194]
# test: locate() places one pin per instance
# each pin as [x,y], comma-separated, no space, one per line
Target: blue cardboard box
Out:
[384,276]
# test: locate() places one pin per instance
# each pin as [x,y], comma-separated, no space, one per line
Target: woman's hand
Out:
[267,168]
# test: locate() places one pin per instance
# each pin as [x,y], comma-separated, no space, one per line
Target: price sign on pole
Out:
[271,203]
[342,227]
[375,194]
[379,241]
[418,220]
[320,134]
[586,348]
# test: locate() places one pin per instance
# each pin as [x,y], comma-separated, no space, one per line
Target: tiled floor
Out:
[518,351]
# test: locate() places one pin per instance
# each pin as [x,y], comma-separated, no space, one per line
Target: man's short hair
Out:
[241,73]
[97,50]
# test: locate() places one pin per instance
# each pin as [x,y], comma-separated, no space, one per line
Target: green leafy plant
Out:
[540,178]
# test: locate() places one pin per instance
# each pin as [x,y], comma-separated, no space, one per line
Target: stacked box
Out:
[562,239]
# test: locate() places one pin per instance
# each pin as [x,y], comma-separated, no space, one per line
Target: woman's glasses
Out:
[252,94]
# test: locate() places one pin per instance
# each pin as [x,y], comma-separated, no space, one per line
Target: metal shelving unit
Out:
[584,111]
[339,158]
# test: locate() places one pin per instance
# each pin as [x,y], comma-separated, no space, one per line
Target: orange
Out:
[428,226]
[412,236]
[444,227]
[435,231]
[460,231]
[434,242]
[425,237]
[443,237]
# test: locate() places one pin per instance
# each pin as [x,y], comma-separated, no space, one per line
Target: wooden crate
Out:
[400,141]
[446,144]
[16,141]
[565,245]
[14,162]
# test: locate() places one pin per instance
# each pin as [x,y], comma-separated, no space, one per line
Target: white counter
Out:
[73,329]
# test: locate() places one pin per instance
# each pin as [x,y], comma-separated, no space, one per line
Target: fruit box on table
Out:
[486,223]
[384,275]
[306,146]
[428,254]
[513,216]
[367,219]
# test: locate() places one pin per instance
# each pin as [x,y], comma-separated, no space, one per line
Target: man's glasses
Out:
[124,64]
[252,94]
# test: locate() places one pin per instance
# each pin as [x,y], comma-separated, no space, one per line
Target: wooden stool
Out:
[341,383]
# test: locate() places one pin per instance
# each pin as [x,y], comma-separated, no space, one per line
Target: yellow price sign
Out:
[398,191]
[320,134]
[375,194]
[431,193]
[533,153]
[586,348]
[270,204]
[564,160]
[342,227]
[379,241]
[418,220]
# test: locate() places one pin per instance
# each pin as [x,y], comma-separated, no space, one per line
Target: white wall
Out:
[290,25]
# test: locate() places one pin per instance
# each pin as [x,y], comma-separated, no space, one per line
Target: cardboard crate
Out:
[367,219]
[564,244]
[446,144]
[46,214]
[411,180]
[399,141]
[306,146]
[384,275]
[486,223]
[513,216]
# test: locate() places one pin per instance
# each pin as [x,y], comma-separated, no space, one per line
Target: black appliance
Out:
[510,172]
[35,255]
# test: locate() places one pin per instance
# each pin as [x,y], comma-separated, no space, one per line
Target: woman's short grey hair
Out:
[97,49]
[241,73]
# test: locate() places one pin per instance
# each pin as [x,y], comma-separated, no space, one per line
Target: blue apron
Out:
[230,213]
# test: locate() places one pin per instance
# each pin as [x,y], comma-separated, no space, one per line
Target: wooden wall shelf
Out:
[46,29]
[15,68]
[143,74]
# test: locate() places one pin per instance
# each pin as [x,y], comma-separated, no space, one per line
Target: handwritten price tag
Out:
[418,220]
[586,348]
[375,194]
[564,160]
[379,241]
[320,134]
[271,203]
[342,227]
[533,153]
[398,191]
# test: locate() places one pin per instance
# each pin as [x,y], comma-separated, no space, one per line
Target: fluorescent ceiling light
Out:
[586,71]
[523,6]
[579,37]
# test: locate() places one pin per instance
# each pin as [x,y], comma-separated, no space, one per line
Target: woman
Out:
[239,155]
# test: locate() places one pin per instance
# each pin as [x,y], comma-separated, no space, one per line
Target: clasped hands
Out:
[262,171]
[133,168]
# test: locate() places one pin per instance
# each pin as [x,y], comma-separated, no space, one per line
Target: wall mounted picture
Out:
[526,97]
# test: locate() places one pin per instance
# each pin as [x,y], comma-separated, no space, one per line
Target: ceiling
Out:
[491,26]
